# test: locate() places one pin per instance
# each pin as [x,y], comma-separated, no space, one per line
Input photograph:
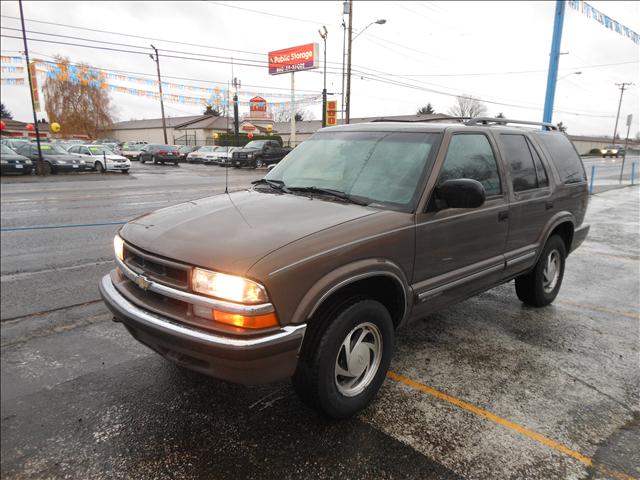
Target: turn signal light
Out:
[244,321]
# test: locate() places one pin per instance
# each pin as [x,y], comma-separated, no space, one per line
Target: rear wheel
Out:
[345,357]
[540,287]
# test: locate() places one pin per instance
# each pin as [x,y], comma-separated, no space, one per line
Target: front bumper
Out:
[16,168]
[70,167]
[248,361]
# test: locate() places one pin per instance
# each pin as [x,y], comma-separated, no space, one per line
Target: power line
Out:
[133,36]
[259,12]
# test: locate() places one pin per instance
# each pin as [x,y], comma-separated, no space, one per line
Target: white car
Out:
[223,155]
[101,158]
[204,154]
[132,150]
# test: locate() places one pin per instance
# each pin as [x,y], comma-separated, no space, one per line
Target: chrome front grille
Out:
[158,269]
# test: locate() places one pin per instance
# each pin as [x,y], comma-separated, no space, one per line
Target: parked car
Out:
[223,155]
[56,159]
[258,153]
[132,150]
[612,151]
[158,153]
[100,158]
[14,143]
[184,150]
[359,231]
[203,154]
[11,162]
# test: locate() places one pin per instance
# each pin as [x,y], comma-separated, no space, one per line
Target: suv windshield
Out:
[381,167]
[255,144]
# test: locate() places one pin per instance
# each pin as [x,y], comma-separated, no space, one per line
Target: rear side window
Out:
[471,156]
[520,161]
[564,156]
[541,172]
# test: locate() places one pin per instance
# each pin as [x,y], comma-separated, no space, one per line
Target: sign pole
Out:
[626,141]
[554,59]
[40,163]
[292,135]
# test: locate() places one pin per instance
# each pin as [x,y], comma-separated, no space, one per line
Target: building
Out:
[16,129]
[199,130]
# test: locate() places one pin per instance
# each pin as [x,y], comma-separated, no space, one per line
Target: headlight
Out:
[27,162]
[250,155]
[228,287]
[4,162]
[602,150]
[118,247]
[614,151]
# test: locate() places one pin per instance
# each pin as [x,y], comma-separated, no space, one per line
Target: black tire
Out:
[47,168]
[531,288]
[125,171]
[259,163]
[98,166]
[140,159]
[175,164]
[154,159]
[315,379]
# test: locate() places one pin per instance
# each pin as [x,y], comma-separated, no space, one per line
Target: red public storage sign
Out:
[294,59]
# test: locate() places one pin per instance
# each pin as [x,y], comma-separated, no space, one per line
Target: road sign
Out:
[294,59]
[629,119]
[332,110]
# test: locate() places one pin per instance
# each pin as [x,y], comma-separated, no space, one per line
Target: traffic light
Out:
[332,113]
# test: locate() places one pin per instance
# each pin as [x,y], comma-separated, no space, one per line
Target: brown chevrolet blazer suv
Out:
[358,231]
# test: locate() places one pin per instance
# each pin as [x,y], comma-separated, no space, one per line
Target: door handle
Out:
[502,216]
[548,205]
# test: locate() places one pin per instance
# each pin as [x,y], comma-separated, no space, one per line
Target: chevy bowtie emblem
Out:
[143,282]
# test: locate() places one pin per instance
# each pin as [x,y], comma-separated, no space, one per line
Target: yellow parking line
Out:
[507,424]
[635,316]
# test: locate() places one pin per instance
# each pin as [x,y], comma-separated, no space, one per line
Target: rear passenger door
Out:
[531,204]
[460,251]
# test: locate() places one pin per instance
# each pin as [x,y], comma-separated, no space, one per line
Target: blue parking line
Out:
[45,227]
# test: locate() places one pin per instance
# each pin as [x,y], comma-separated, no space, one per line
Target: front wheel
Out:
[259,163]
[540,287]
[99,167]
[154,159]
[47,169]
[345,357]
[125,171]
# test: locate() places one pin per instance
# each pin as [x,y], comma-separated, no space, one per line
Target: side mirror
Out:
[460,193]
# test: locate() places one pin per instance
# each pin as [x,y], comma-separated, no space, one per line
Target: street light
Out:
[569,74]
[381,21]
[323,34]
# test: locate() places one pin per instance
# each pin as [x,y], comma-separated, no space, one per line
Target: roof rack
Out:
[504,121]
[432,119]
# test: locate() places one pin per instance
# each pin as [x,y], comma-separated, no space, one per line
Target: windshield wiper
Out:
[331,192]
[275,184]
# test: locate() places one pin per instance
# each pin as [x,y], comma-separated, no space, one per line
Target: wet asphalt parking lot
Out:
[488,388]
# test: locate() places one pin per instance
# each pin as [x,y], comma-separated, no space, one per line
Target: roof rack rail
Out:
[504,121]
[432,119]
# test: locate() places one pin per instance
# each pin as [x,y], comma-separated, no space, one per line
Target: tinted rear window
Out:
[564,156]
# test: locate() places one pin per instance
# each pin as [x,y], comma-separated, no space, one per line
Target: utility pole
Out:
[164,123]
[554,59]
[324,89]
[236,120]
[40,164]
[344,43]
[348,95]
[615,129]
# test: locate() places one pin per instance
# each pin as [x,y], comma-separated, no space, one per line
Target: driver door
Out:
[461,250]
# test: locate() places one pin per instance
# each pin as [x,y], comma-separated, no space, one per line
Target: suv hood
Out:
[231,232]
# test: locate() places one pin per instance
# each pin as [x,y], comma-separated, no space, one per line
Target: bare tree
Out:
[467,106]
[76,97]
[283,114]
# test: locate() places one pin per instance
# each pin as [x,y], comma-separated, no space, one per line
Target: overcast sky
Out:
[440,48]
